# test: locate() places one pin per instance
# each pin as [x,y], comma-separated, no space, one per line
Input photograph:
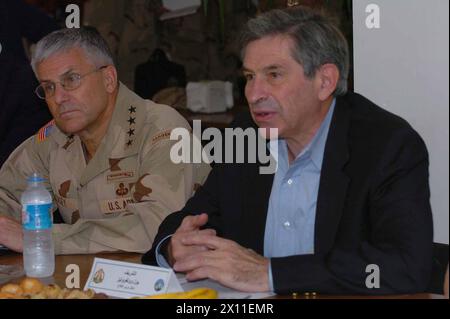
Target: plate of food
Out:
[32,288]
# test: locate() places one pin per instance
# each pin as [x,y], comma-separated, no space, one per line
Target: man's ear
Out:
[110,77]
[327,77]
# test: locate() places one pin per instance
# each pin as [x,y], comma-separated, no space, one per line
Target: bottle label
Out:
[37,217]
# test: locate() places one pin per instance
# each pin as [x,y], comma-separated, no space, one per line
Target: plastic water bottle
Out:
[37,221]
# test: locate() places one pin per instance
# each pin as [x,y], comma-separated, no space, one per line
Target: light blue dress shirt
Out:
[291,214]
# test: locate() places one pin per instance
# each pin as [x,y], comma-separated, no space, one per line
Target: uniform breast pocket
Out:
[119,181]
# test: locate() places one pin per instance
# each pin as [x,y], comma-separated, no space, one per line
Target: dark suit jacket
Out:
[20,20]
[22,113]
[373,208]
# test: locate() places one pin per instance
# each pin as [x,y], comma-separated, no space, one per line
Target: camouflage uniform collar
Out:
[129,117]
[121,138]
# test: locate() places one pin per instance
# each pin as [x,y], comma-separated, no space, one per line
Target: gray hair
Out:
[317,40]
[86,38]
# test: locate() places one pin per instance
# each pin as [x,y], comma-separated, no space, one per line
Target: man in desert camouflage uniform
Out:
[106,154]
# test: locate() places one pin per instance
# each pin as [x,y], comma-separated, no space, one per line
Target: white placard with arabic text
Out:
[127,280]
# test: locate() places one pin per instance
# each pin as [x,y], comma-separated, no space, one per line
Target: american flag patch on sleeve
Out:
[45,131]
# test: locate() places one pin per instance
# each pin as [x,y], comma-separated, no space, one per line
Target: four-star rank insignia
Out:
[131,127]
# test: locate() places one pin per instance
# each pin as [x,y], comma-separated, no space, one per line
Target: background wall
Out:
[404,67]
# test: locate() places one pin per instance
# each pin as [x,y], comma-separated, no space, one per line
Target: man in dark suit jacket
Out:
[22,113]
[20,20]
[371,218]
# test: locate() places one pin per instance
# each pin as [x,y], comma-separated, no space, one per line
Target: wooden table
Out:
[85,264]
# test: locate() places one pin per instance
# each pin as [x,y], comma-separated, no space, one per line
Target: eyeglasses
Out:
[69,82]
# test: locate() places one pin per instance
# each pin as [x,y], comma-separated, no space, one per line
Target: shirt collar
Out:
[315,149]
[317,146]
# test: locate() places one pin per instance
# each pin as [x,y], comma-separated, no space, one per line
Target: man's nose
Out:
[256,90]
[61,94]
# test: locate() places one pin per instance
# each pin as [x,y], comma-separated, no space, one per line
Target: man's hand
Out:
[11,234]
[190,226]
[225,262]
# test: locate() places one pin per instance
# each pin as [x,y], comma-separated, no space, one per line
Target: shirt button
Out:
[287,224]
[290,182]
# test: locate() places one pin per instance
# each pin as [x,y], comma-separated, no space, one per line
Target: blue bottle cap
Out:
[35,178]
